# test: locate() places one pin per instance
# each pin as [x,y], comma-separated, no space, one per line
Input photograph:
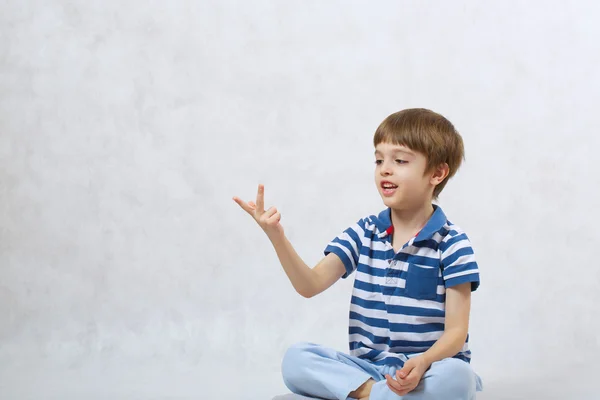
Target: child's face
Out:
[404,169]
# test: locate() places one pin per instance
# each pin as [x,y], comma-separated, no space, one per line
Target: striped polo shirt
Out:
[397,308]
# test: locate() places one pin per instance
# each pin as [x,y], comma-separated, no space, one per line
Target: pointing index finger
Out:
[245,206]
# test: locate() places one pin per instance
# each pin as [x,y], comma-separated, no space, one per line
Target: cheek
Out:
[414,181]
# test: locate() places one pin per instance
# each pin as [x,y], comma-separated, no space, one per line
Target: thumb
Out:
[403,373]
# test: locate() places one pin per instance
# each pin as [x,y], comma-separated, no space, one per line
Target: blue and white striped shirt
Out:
[397,308]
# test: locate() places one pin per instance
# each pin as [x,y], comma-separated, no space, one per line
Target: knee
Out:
[293,363]
[454,379]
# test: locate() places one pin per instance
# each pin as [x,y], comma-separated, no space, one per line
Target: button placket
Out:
[391,276]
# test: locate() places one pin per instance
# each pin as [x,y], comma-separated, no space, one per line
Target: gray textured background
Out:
[126,270]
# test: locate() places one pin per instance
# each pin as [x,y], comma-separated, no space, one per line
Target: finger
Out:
[409,383]
[393,383]
[244,205]
[391,386]
[260,199]
[409,380]
[275,218]
[252,204]
[401,391]
[269,213]
[398,392]
[407,390]
[412,379]
[404,371]
[404,383]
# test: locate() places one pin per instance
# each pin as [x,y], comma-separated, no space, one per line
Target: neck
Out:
[411,219]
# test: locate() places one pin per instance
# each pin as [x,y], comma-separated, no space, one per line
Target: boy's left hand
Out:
[408,377]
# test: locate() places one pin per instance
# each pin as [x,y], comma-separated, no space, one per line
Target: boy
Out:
[415,270]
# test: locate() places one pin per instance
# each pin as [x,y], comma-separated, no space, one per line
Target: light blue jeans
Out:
[319,372]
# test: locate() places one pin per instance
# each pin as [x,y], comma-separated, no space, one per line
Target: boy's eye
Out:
[398,161]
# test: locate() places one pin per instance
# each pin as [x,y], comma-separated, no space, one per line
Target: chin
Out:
[390,202]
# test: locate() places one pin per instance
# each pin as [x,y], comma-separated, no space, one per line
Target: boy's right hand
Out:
[267,220]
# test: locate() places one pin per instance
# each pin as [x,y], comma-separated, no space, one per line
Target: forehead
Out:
[387,148]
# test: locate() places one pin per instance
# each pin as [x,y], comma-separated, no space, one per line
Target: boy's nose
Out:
[385,170]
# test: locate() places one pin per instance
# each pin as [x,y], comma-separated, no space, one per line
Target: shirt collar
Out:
[437,220]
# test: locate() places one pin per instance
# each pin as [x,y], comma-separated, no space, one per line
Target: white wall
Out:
[126,270]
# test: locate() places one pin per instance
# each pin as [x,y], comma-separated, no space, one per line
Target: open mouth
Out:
[388,188]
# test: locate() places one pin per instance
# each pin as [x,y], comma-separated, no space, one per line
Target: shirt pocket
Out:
[422,282]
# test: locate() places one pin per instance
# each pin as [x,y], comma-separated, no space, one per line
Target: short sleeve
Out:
[458,262]
[347,246]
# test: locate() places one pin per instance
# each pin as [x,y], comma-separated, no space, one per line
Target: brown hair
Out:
[428,133]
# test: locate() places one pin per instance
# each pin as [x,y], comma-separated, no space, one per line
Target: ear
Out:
[439,174]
